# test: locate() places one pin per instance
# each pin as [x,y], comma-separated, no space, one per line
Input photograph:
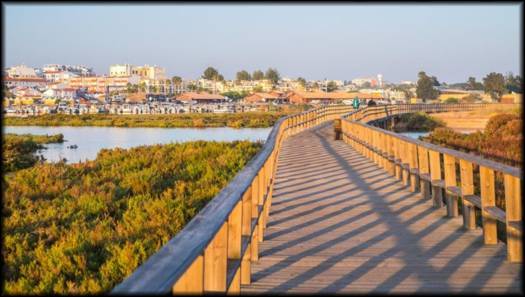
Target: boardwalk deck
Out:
[339,223]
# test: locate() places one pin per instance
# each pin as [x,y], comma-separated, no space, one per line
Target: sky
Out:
[451,42]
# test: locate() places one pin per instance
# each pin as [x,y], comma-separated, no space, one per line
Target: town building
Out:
[145,72]
[58,76]
[201,98]
[32,82]
[360,82]
[301,97]
[120,70]
[273,97]
[79,70]
[21,71]
[102,83]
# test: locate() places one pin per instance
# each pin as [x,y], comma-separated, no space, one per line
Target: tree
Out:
[473,84]
[257,75]
[273,75]
[425,87]
[513,83]
[142,87]
[235,95]
[366,85]
[301,81]
[130,88]
[494,85]
[211,74]
[435,81]
[192,87]
[176,80]
[243,75]
[331,86]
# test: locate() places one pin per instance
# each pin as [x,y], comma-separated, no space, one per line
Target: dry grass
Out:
[471,121]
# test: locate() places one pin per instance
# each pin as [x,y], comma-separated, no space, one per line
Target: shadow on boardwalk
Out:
[339,223]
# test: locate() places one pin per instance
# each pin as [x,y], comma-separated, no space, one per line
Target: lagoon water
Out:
[90,140]
[414,135]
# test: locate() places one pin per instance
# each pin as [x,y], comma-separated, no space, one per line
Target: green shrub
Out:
[19,150]
[83,228]
[420,122]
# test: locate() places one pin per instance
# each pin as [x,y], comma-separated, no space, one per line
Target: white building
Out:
[60,93]
[32,82]
[144,72]
[76,69]
[21,71]
[380,80]
[361,81]
[120,70]
[57,76]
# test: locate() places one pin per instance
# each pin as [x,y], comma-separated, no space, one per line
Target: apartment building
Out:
[21,71]
[100,83]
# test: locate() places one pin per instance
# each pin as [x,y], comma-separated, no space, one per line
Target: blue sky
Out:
[343,42]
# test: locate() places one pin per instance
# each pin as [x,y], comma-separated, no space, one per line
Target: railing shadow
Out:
[408,248]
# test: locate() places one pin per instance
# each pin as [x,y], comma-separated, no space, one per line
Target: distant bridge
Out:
[373,212]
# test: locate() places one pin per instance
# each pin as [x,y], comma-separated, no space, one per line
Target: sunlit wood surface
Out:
[339,223]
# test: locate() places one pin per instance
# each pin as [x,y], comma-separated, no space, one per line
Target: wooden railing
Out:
[464,179]
[214,251]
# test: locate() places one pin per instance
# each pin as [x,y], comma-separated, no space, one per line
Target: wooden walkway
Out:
[338,223]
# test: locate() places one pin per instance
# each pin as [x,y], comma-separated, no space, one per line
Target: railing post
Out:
[215,262]
[488,199]
[246,233]
[467,188]
[513,218]
[255,214]
[405,163]
[192,281]
[435,175]
[234,245]
[450,181]
[262,192]
[397,159]
[414,174]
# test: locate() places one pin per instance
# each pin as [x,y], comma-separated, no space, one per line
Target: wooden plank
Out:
[473,199]
[192,281]
[488,199]
[235,232]
[215,262]
[513,214]
[467,188]
[233,277]
[364,232]
[496,213]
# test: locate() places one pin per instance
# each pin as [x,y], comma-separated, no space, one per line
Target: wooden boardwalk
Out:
[339,223]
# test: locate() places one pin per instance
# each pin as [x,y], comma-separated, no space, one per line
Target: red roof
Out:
[35,79]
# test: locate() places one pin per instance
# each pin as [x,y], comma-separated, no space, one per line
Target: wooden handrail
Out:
[213,252]
[418,164]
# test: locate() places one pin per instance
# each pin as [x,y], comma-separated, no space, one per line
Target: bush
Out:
[451,100]
[420,122]
[501,140]
[83,228]
[19,149]
[256,120]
